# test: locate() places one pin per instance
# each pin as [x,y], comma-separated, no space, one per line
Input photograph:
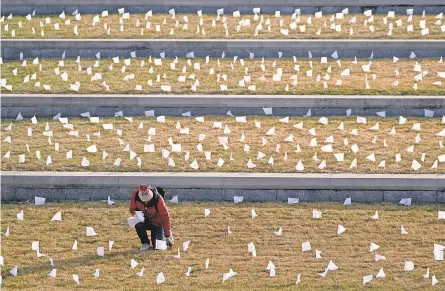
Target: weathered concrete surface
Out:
[53,48]
[223,186]
[261,195]
[416,196]
[28,112]
[205,100]
[48,105]
[23,7]
[441,197]
[225,3]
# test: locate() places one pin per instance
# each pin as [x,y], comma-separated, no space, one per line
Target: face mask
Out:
[145,196]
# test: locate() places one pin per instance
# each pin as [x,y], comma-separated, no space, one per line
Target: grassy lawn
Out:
[209,239]
[137,26]
[128,134]
[383,78]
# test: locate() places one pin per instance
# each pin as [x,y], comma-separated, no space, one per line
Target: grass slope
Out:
[136,138]
[209,239]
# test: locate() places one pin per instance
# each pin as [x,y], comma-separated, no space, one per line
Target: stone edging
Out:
[61,186]
[54,48]
[327,181]
[71,105]
[227,101]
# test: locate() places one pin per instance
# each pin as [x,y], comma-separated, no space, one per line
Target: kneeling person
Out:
[157,218]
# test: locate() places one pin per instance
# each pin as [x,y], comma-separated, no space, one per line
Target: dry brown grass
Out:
[383,69]
[209,239]
[86,30]
[153,162]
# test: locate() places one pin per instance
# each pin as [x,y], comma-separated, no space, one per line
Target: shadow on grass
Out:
[82,261]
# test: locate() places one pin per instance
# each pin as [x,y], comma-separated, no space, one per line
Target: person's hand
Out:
[170,241]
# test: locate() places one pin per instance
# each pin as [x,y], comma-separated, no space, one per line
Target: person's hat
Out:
[145,194]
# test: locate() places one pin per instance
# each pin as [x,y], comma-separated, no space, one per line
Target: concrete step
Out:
[87,48]
[425,188]
[48,105]
[24,7]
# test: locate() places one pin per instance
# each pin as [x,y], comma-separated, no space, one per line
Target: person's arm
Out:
[165,216]
[133,207]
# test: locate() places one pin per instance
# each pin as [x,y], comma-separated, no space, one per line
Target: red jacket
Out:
[159,218]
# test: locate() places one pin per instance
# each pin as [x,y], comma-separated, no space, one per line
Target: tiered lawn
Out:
[131,30]
[384,71]
[136,138]
[209,239]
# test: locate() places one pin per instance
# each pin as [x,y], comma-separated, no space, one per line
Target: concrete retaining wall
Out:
[360,196]
[174,105]
[51,48]
[259,3]
[23,7]
[223,186]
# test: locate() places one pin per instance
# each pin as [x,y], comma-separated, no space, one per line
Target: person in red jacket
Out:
[157,219]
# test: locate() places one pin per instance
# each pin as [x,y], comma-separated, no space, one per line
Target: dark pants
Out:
[157,233]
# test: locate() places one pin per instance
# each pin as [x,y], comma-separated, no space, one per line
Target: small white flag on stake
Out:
[133,264]
[161,245]
[39,201]
[141,272]
[415,165]
[367,279]
[13,271]
[268,111]
[316,214]
[305,246]
[57,217]
[178,256]
[373,247]
[76,278]
[20,215]
[427,274]
[100,251]
[381,274]
[409,266]
[434,280]
[185,245]
[238,199]
[405,201]
[174,199]
[90,231]
[291,200]
[403,230]
[340,229]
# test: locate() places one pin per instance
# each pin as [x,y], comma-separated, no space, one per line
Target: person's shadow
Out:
[81,261]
